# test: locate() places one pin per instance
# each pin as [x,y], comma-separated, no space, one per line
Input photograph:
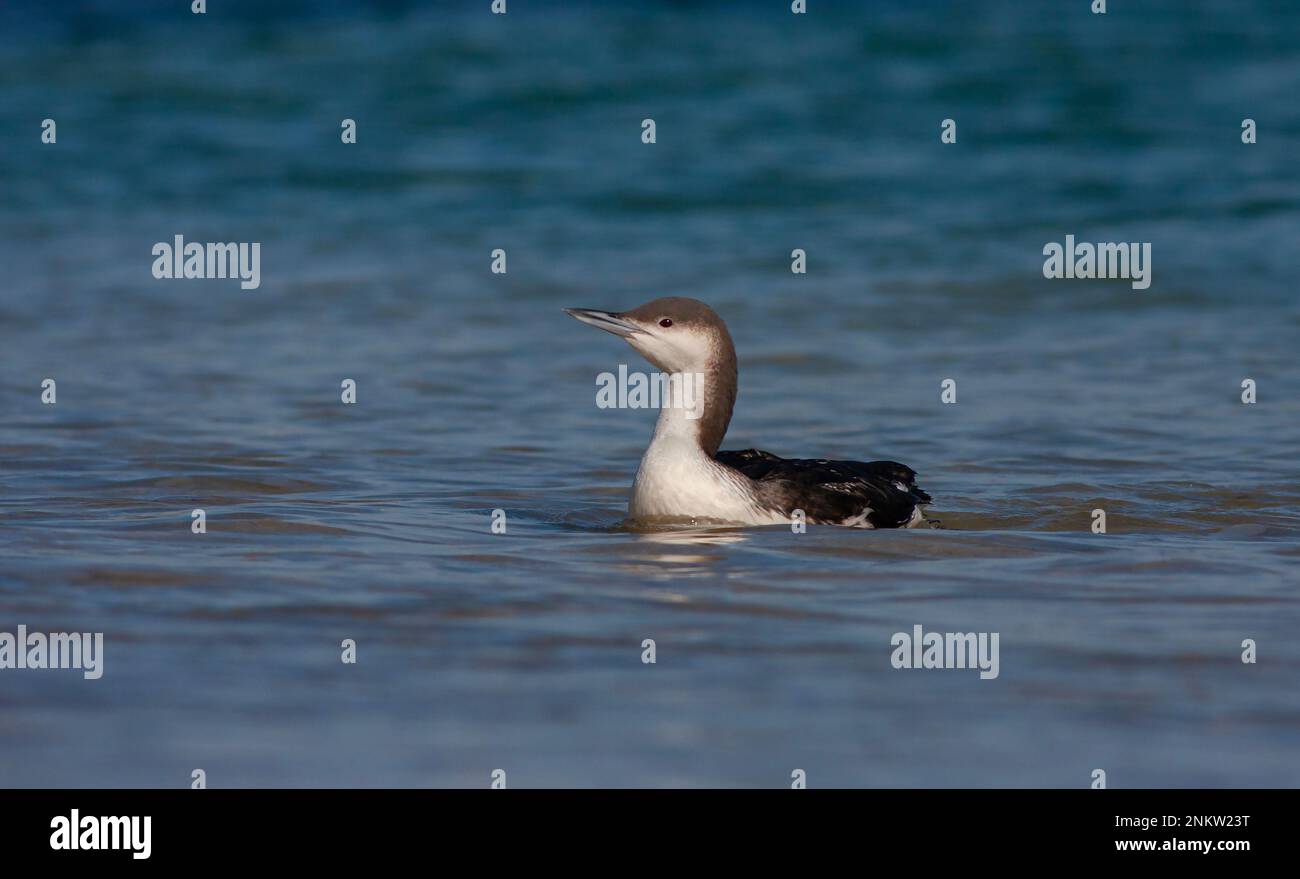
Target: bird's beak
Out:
[605,320]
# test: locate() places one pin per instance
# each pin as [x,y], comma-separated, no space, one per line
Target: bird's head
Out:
[675,333]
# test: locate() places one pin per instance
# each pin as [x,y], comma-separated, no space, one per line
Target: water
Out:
[523,651]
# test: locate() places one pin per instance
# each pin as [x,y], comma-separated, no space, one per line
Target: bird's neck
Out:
[699,407]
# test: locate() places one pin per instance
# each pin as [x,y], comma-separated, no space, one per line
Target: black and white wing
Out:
[876,494]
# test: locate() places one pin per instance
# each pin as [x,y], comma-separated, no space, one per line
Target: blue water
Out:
[522,651]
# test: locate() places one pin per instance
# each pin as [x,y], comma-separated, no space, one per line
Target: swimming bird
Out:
[683,475]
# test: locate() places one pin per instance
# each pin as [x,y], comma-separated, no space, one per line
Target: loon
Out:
[684,476]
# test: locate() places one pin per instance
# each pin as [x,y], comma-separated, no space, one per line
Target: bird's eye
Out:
[666,322]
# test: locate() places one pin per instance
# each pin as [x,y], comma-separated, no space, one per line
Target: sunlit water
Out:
[523,651]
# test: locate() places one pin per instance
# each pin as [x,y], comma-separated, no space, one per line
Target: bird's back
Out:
[875,494]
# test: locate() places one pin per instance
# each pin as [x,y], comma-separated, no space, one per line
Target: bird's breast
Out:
[677,480]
